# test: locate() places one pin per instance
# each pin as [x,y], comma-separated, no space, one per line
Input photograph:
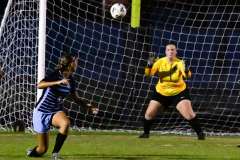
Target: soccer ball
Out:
[118,10]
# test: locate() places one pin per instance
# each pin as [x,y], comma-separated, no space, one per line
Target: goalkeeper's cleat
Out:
[144,135]
[201,136]
[55,156]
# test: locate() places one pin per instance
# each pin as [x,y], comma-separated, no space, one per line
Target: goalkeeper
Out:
[170,90]
[49,109]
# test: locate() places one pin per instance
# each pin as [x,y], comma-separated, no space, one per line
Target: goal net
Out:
[112,57]
[18,58]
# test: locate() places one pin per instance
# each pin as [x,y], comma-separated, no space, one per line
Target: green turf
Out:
[99,146]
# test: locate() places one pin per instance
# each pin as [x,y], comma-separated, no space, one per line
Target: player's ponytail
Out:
[65,61]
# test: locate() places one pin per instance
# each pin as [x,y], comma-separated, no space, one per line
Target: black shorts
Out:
[166,101]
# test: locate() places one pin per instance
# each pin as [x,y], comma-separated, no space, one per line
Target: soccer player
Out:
[49,109]
[170,90]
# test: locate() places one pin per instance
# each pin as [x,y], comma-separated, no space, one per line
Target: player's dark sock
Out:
[33,153]
[197,128]
[59,142]
[147,126]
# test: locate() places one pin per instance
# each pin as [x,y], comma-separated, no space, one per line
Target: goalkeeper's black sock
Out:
[147,125]
[33,153]
[59,142]
[194,123]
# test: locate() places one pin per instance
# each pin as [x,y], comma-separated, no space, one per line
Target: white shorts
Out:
[41,121]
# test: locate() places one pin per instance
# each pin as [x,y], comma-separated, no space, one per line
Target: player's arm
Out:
[44,84]
[186,72]
[152,66]
[152,70]
[87,106]
[74,95]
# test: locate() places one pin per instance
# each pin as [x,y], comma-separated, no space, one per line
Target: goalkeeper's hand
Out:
[150,62]
[188,74]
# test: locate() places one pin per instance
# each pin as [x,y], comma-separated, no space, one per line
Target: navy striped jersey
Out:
[51,99]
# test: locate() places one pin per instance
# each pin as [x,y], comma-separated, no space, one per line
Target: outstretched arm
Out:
[79,100]
[152,66]
[186,72]
[83,103]
[44,84]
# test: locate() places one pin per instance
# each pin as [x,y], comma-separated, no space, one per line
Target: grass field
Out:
[107,146]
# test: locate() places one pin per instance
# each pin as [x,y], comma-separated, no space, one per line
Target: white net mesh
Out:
[113,57]
[18,50]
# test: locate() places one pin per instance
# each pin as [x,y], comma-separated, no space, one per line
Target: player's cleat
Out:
[238,146]
[29,151]
[33,153]
[201,136]
[55,156]
[144,135]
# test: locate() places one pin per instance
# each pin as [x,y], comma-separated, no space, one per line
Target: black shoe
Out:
[238,146]
[29,151]
[33,153]
[201,136]
[144,135]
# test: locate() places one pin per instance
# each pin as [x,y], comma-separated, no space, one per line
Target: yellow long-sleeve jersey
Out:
[171,76]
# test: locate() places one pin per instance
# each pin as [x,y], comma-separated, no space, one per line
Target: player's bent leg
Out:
[152,110]
[61,121]
[42,146]
[185,109]
[150,114]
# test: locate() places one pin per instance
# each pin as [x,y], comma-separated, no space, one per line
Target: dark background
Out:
[2,7]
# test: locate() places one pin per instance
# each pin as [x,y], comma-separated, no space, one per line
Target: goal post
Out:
[6,13]
[135,13]
[41,43]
